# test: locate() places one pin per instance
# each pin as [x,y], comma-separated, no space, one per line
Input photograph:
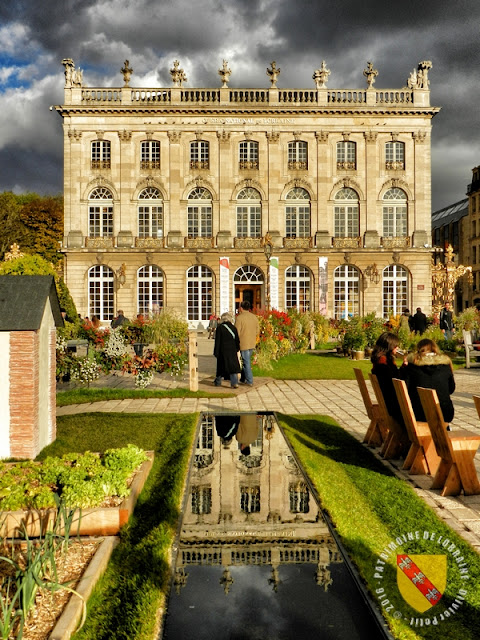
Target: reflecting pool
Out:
[255,557]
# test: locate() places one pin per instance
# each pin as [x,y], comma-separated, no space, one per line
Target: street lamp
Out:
[267,249]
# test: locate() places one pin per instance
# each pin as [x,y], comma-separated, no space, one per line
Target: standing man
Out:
[248,332]
[419,322]
[446,321]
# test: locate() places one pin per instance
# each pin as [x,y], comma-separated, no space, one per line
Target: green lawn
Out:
[370,507]
[127,597]
[82,395]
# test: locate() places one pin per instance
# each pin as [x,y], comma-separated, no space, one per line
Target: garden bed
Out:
[105,520]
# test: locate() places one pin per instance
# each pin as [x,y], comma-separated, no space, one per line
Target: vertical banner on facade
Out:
[224,285]
[274,282]
[322,285]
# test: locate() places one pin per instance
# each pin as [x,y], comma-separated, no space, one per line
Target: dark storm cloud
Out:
[100,34]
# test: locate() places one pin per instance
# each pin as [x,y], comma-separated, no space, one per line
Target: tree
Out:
[42,218]
[13,229]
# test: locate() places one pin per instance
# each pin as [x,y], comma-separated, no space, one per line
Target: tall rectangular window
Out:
[298,155]
[150,221]
[100,221]
[249,220]
[199,155]
[150,154]
[346,222]
[199,221]
[248,155]
[395,155]
[101,154]
[346,155]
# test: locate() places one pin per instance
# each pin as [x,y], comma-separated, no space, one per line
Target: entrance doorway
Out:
[248,282]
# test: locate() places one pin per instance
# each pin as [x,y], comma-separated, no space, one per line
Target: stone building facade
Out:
[196,199]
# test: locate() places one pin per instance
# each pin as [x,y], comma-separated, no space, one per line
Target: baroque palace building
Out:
[196,199]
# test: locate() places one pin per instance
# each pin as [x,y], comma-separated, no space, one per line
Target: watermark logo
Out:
[422,579]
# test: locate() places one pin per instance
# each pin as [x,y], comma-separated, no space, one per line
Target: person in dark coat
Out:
[119,320]
[419,322]
[430,368]
[386,369]
[227,347]
[446,321]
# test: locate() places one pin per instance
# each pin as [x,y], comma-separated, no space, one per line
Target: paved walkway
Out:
[340,399]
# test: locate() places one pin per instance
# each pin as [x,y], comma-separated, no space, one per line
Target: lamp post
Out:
[267,249]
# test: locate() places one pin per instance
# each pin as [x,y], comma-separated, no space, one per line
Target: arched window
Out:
[248,154]
[395,155]
[150,214]
[297,214]
[199,293]
[395,290]
[100,214]
[150,154]
[298,155]
[100,292]
[199,213]
[150,289]
[346,214]
[199,154]
[346,292]
[249,214]
[297,288]
[346,155]
[394,213]
[101,154]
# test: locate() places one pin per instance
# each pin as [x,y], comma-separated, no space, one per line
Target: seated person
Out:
[430,368]
[385,368]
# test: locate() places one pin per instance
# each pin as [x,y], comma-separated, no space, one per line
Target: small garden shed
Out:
[29,315]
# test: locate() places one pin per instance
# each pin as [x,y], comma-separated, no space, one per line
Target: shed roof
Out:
[23,299]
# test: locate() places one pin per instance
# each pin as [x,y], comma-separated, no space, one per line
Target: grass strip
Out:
[126,599]
[370,508]
[85,395]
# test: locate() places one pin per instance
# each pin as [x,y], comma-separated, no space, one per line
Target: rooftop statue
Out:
[370,73]
[273,72]
[127,71]
[320,76]
[418,79]
[73,77]
[225,74]
[178,75]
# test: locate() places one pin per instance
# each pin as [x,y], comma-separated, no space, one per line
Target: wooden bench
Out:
[456,449]
[470,351]
[396,443]
[377,431]
[422,456]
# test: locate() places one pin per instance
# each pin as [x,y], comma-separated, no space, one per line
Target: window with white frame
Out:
[150,214]
[297,288]
[346,155]
[149,289]
[395,290]
[395,155]
[101,292]
[101,154]
[346,223]
[249,214]
[248,154]
[199,155]
[150,154]
[199,213]
[297,155]
[100,213]
[394,213]
[297,213]
[199,293]
[346,282]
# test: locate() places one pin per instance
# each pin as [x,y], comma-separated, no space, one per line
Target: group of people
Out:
[234,345]
[427,367]
[418,322]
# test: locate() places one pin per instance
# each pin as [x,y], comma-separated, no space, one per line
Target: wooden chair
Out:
[456,449]
[422,456]
[476,400]
[396,443]
[376,432]
[470,351]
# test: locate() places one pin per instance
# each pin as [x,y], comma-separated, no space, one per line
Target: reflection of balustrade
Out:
[247,243]
[150,243]
[199,243]
[396,242]
[297,243]
[346,243]
[99,243]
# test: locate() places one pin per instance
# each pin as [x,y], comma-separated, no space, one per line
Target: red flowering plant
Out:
[135,332]
[96,337]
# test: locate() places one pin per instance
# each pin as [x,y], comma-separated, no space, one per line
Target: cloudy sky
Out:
[35,35]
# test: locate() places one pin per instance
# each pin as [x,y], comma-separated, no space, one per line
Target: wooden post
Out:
[193,360]
[312,336]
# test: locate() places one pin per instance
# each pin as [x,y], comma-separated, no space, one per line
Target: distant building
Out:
[174,196]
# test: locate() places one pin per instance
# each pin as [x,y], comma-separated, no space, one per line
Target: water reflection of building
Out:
[250,509]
